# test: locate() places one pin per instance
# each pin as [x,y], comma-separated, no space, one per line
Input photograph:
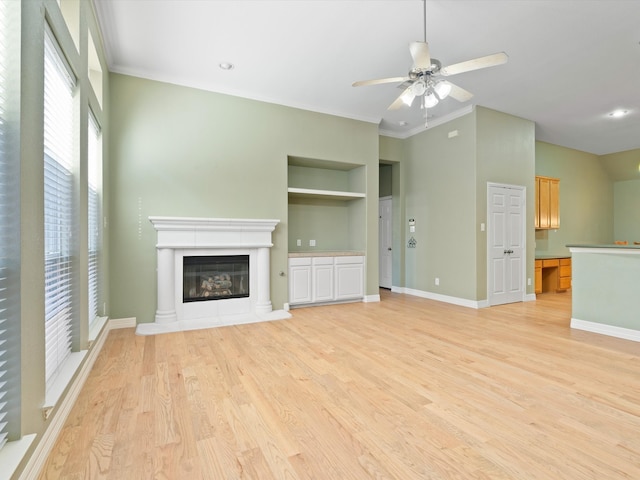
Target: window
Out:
[94,181]
[59,222]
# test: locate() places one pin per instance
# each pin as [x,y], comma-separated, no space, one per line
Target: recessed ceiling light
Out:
[226,66]
[403,123]
[618,113]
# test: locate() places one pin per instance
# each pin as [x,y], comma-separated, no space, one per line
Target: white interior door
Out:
[385,240]
[506,214]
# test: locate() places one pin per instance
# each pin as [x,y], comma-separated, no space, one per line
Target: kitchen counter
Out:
[547,257]
[342,253]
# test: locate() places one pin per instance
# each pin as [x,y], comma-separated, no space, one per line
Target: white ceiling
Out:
[571,62]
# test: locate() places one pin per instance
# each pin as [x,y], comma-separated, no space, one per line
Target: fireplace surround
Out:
[180,238]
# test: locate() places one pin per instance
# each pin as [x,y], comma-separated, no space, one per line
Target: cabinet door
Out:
[554,203]
[543,206]
[349,279]
[299,284]
[322,272]
[537,203]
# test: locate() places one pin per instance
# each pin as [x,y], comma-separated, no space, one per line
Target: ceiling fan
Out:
[422,80]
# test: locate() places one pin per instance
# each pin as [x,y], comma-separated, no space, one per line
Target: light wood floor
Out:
[405,389]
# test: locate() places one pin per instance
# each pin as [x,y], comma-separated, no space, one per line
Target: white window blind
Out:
[4,340]
[59,84]
[9,228]
[94,181]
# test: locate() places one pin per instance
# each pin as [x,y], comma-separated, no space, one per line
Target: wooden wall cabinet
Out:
[547,203]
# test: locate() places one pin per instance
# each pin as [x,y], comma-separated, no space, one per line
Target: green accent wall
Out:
[586,199]
[179,151]
[605,288]
[626,211]
[445,191]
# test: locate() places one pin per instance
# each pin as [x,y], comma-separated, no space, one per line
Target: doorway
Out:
[385,241]
[506,234]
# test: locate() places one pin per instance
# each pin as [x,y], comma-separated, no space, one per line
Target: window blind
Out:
[3,269]
[94,164]
[9,228]
[58,207]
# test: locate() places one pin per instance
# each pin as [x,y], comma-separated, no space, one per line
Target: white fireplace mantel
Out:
[181,236]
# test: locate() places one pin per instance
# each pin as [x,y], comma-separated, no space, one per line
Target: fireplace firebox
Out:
[215,277]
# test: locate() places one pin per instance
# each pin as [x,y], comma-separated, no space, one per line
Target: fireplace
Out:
[211,272]
[214,277]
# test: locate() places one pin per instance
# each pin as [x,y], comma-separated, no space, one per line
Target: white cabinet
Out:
[299,280]
[325,279]
[349,277]
[322,271]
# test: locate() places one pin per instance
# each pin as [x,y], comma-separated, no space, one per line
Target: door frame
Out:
[523,189]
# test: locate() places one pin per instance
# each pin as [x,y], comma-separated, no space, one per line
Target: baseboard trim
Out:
[116,323]
[50,435]
[371,298]
[463,302]
[602,329]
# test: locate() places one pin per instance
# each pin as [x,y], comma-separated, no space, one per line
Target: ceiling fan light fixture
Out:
[442,89]
[407,97]
[430,100]
[418,88]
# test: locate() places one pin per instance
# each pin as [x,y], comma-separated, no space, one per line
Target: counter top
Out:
[635,247]
[547,257]
[326,254]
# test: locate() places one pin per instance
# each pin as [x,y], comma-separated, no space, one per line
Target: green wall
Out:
[505,154]
[440,194]
[179,151]
[445,191]
[626,211]
[586,199]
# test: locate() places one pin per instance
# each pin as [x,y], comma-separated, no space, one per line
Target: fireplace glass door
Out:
[215,277]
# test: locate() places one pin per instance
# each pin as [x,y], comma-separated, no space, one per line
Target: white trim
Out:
[611,249]
[610,330]
[61,380]
[116,323]
[463,302]
[96,327]
[50,435]
[12,454]
[530,297]
[432,123]
[371,298]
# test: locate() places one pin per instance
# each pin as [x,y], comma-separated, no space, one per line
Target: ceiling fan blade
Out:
[459,93]
[379,81]
[475,64]
[420,54]
[399,102]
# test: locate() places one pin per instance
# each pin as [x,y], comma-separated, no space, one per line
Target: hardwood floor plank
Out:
[404,389]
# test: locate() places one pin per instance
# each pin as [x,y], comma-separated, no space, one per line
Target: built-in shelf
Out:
[328,194]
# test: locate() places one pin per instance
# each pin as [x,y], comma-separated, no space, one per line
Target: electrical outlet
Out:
[299,243]
[437,281]
[528,281]
[312,243]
